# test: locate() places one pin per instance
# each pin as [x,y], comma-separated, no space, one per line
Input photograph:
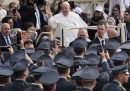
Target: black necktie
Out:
[103,44]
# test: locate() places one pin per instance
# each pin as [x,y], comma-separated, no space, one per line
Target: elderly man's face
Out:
[65,9]
[5,29]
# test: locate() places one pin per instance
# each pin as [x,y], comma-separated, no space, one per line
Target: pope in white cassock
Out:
[66,19]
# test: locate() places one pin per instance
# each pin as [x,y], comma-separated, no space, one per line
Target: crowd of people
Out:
[38,53]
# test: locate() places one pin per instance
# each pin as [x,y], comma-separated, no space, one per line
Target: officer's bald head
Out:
[65,8]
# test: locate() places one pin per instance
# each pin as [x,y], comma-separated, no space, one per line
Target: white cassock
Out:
[122,3]
[59,22]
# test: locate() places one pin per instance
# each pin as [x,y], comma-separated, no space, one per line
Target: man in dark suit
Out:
[88,76]
[5,35]
[32,9]
[101,30]
[120,74]
[6,40]
[63,64]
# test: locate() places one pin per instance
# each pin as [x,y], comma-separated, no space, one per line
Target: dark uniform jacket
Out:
[113,86]
[63,85]
[1,88]
[75,66]
[17,85]
[85,89]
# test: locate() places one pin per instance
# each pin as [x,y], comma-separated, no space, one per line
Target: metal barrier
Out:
[120,29]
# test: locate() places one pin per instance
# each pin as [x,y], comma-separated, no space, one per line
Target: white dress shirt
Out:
[101,41]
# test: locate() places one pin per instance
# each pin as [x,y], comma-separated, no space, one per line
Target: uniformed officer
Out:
[5,76]
[125,46]
[80,46]
[37,73]
[36,55]
[46,60]
[20,75]
[63,64]
[119,58]
[120,75]
[45,45]
[78,79]
[94,60]
[29,47]
[91,50]
[111,46]
[17,56]
[49,80]
[88,76]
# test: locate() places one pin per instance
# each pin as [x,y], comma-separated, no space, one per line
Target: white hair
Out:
[66,4]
